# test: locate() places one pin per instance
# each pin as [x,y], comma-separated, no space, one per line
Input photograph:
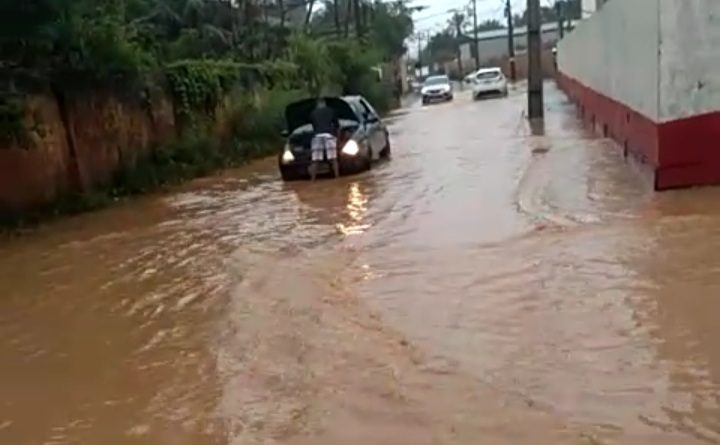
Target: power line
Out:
[440,14]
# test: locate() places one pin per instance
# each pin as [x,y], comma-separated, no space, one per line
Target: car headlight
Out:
[351,148]
[287,156]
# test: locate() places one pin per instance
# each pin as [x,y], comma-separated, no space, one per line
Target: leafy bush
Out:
[198,86]
[379,94]
[104,45]
[12,128]
[314,62]
[259,117]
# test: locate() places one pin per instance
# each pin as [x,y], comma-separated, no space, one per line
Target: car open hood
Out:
[298,114]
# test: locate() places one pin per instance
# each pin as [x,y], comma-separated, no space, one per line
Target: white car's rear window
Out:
[488,75]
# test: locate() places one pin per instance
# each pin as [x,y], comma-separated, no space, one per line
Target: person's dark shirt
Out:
[324,120]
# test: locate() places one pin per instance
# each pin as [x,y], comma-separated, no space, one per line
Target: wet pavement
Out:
[485,286]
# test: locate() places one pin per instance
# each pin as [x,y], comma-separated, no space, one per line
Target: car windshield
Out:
[437,80]
[488,75]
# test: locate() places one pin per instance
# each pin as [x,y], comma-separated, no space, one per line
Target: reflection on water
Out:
[356,209]
[487,283]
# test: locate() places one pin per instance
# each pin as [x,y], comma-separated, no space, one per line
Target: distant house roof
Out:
[503,32]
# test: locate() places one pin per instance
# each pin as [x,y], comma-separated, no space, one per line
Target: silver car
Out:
[437,89]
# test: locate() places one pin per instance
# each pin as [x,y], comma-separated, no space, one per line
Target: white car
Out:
[470,78]
[489,81]
[437,89]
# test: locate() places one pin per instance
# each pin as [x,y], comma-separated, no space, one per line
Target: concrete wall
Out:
[658,57]
[690,60]
[647,72]
[614,52]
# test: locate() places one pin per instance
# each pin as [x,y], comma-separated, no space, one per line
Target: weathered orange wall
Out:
[101,132]
[41,171]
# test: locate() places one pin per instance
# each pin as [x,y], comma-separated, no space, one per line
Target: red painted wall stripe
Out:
[681,153]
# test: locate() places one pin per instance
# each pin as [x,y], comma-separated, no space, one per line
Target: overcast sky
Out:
[435,17]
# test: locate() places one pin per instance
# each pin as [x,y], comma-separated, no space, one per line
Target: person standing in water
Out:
[324,142]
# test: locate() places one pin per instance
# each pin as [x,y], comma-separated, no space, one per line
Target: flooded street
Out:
[485,286]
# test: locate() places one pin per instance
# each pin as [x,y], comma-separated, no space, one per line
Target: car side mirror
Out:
[370,118]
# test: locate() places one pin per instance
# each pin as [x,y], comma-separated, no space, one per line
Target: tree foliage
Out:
[490,25]
[391,25]
[442,46]
[199,46]
[382,25]
[107,36]
[572,9]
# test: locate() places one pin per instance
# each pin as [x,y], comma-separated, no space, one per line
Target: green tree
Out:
[441,47]
[391,25]
[312,58]
[490,25]
[572,10]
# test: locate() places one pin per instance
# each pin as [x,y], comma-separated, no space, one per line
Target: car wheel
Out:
[387,151]
[367,165]
[289,175]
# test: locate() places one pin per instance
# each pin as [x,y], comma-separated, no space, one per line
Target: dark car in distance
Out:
[362,138]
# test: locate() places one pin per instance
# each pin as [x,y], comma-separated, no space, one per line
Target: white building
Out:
[590,6]
[493,45]
[647,73]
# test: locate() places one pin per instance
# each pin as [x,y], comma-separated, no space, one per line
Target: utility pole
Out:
[511,40]
[535,75]
[419,58]
[358,18]
[458,19]
[560,12]
[308,15]
[365,15]
[336,11]
[475,36]
[348,17]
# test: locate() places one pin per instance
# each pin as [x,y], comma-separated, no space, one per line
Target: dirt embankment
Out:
[77,142]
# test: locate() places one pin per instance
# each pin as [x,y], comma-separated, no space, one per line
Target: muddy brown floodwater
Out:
[486,286]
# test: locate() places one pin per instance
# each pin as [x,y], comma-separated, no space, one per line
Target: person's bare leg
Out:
[336,168]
